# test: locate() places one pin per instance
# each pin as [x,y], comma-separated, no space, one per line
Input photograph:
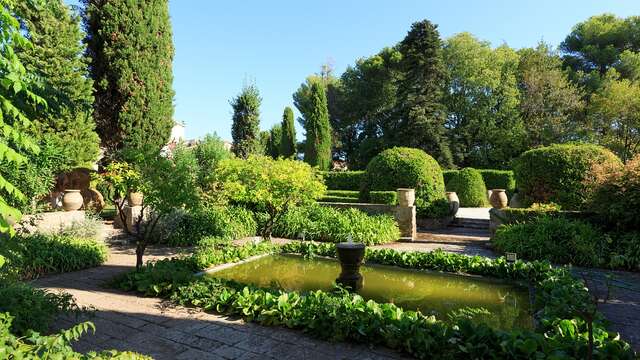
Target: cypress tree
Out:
[131,50]
[420,90]
[56,58]
[288,141]
[246,122]
[275,137]
[318,144]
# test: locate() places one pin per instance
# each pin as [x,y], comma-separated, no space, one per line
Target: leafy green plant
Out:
[267,185]
[350,196]
[555,239]
[31,308]
[406,168]
[469,186]
[343,180]
[31,256]
[88,228]
[561,173]
[320,223]
[499,179]
[231,222]
[209,152]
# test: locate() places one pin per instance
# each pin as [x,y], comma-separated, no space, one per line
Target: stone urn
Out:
[406,197]
[499,198]
[134,198]
[454,203]
[515,201]
[350,256]
[72,200]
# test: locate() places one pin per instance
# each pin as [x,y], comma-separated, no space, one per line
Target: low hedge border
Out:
[342,180]
[561,300]
[523,215]
[349,196]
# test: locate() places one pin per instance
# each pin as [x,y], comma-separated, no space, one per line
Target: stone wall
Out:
[49,221]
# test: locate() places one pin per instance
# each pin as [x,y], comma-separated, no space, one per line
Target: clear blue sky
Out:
[221,44]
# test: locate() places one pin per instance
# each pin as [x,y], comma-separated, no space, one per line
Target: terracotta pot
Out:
[406,197]
[454,203]
[499,198]
[134,198]
[72,200]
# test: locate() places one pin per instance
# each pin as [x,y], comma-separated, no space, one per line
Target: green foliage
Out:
[267,185]
[288,139]
[499,179]
[343,180]
[469,186]
[246,122]
[31,256]
[15,143]
[209,152]
[349,196]
[215,251]
[422,113]
[56,346]
[275,137]
[406,168]
[318,129]
[555,239]
[131,51]
[225,222]
[157,278]
[327,224]
[31,308]
[56,58]
[560,173]
[485,128]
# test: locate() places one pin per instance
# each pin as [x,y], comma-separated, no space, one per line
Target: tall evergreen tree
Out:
[131,50]
[275,137]
[246,122]
[420,109]
[288,139]
[56,58]
[318,142]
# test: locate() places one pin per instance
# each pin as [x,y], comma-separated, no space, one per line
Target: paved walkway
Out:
[150,326]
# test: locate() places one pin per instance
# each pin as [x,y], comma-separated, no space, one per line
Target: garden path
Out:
[150,326]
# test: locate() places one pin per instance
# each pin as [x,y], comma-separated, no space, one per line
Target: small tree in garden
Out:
[267,185]
[209,152]
[246,122]
[288,140]
[318,144]
[275,137]
[167,184]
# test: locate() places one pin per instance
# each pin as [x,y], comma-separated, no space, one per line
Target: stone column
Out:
[131,213]
[405,214]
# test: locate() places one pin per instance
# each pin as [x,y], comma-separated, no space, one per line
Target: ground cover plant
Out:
[319,223]
[562,305]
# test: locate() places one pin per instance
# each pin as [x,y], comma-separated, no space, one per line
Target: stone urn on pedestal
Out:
[72,200]
[499,198]
[350,255]
[134,198]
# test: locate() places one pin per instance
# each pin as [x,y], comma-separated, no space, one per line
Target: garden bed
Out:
[561,304]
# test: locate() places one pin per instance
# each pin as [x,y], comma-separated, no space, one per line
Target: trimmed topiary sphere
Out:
[561,173]
[402,167]
[469,186]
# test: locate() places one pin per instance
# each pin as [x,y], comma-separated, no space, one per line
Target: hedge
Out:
[348,196]
[493,179]
[339,315]
[561,173]
[231,222]
[343,180]
[469,186]
[402,167]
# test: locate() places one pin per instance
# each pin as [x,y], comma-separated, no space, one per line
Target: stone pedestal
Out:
[406,219]
[50,221]
[131,213]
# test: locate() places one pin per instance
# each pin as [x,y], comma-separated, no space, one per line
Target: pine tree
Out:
[421,112]
[318,143]
[288,142]
[56,58]
[131,50]
[246,122]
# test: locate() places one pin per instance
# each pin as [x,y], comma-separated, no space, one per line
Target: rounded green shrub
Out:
[402,167]
[555,239]
[560,173]
[469,186]
[232,222]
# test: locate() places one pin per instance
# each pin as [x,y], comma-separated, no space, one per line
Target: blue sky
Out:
[222,44]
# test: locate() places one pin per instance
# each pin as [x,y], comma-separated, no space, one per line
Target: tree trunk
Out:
[140,247]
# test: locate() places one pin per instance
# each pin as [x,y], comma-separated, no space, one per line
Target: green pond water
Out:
[430,292]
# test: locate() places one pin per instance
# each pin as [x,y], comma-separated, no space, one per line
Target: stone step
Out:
[455,235]
[470,223]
